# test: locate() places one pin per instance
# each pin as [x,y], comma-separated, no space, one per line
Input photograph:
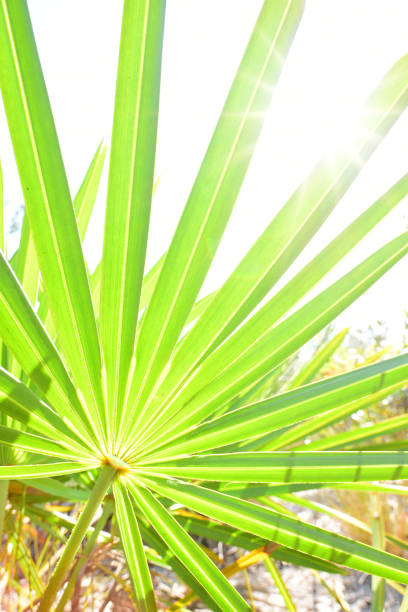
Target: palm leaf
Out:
[283,529]
[83,204]
[290,466]
[133,547]
[170,560]
[290,407]
[20,403]
[2,237]
[27,339]
[41,470]
[48,201]
[183,361]
[187,551]
[129,189]
[39,444]
[214,192]
[259,346]
[313,367]
[301,431]
[85,198]
[352,437]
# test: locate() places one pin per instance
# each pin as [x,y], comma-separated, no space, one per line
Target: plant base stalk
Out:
[65,563]
[69,589]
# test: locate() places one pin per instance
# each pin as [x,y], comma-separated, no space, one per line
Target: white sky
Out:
[342,49]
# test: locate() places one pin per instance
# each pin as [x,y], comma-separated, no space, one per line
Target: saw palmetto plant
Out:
[140,387]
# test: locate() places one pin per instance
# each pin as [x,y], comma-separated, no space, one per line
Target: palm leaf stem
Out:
[101,522]
[101,486]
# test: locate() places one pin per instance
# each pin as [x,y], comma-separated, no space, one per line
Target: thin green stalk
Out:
[84,557]
[377,525]
[404,602]
[4,485]
[65,563]
[270,565]
[249,589]
[342,603]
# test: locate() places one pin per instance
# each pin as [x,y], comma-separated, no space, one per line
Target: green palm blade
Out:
[48,201]
[86,195]
[41,470]
[195,312]
[50,519]
[34,443]
[302,282]
[301,431]
[304,560]
[236,364]
[288,408]
[354,436]
[95,286]
[342,516]
[200,526]
[133,548]
[394,445]
[323,508]
[234,537]
[290,466]
[148,285]
[250,268]
[187,550]
[150,537]
[149,282]
[2,236]
[83,205]
[313,367]
[377,531]
[282,529]
[84,199]
[130,189]
[27,271]
[263,388]
[4,358]
[254,491]
[214,193]
[56,489]
[26,264]
[374,488]
[20,403]
[26,338]
[3,348]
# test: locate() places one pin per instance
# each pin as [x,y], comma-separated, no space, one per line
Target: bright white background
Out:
[342,49]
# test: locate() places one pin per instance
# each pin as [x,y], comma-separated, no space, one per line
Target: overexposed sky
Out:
[342,50]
